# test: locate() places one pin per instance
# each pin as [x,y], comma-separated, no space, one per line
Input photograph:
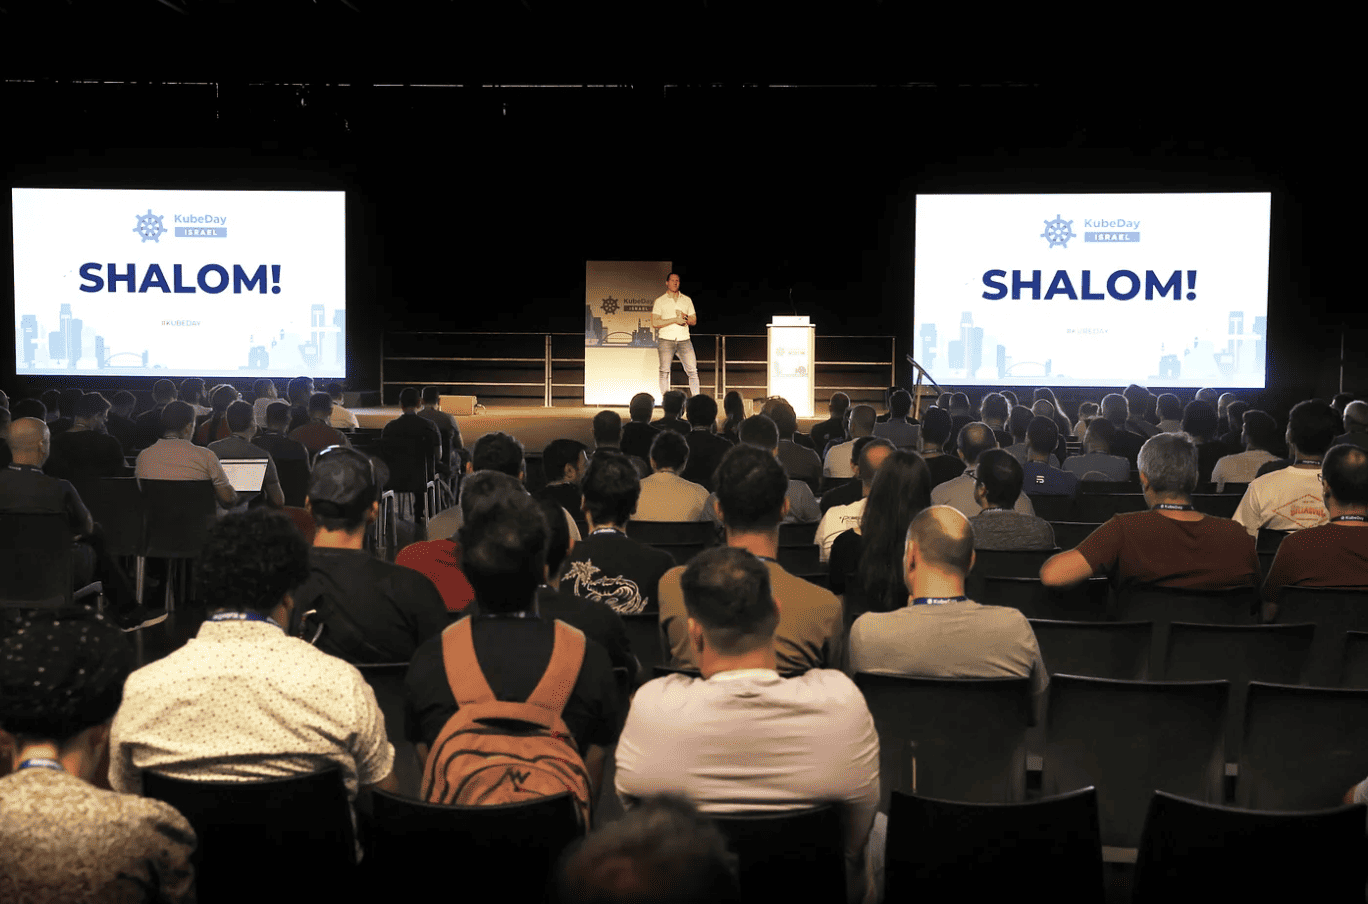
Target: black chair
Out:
[1355,670]
[1084,602]
[37,563]
[1164,605]
[116,504]
[1010,563]
[797,534]
[1239,654]
[1217,505]
[521,844]
[1334,611]
[926,725]
[1053,508]
[950,850]
[412,469]
[1068,534]
[1249,855]
[1303,747]
[1111,487]
[302,823]
[1128,738]
[1268,540]
[177,517]
[294,481]
[1099,507]
[646,641]
[681,539]
[1116,650]
[387,681]
[788,856]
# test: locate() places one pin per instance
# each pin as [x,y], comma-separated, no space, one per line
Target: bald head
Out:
[872,457]
[862,420]
[975,439]
[944,540]
[1356,416]
[29,441]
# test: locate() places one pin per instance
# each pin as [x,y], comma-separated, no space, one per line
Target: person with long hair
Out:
[735,409]
[866,565]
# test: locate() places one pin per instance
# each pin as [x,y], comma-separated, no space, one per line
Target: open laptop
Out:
[245,474]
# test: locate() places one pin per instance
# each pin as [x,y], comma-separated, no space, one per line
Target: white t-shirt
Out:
[668,306]
[837,520]
[1289,499]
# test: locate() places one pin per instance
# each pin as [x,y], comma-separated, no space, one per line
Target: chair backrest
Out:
[1011,563]
[116,504]
[1250,855]
[178,515]
[1053,508]
[1068,534]
[797,533]
[1165,605]
[1334,611]
[521,844]
[681,539]
[1217,505]
[304,821]
[801,560]
[1355,671]
[788,856]
[1268,540]
[646,641]
[1117,650]
[387,681]
[35,561]
[1099,507]
[411,464]
[1239,654]
[1302,746]
[1129,738]
[926,725]
[1084,602]
[951,850]
[1111,487]
[294,480]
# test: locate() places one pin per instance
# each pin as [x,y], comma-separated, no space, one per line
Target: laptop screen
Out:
[245,474]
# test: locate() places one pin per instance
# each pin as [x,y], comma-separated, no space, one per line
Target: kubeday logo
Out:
[149,226]
[1058,231]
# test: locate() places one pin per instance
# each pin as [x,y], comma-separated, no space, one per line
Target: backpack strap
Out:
[557,683]
[468,683]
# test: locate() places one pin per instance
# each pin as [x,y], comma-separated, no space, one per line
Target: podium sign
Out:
[790,362]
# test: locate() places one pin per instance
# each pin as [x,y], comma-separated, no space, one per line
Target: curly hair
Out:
[251,561]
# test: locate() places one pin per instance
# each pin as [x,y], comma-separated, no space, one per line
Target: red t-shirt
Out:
[440,561]
[1331,555]
[1148,548]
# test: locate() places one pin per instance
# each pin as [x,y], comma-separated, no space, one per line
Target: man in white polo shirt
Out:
[672,316]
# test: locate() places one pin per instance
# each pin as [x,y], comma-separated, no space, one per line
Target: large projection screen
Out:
[175,283]
[1166,290]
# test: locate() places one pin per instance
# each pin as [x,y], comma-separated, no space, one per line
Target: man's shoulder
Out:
[791,586]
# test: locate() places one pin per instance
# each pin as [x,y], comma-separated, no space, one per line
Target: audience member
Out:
[661,852]
[935,429]
[762,433]
[62,838]
[284,451]
[941,633]
[341,418]
[317,434]
[265,394]
[841,518]
[638,434]
[672,405]
[119,422]
[837,461]
[1336,553]
[1172,544]
[975,438]
[1000,524]
[1097,462]
[564,462]
[1087,411]
[174,457]
[149,422]
[67,400]
[665,496]
[192,392]
[1260,439]
[446,425]
[241,421]
[751,499]
[734,407]
[607,428]
[705,447]
[607,565]
[369,610]
[865,563]
[503,545]
[1170,413]
[52,402]
[800,462]
[1041,477]
[959,416]
[1355,425]
[299,392]
[84,451]
[1290,498]
[853,489]
[900,429]
[1126,443]
[833,428]
[1234,431]
[215,426]
[242,701]
[995,414]
[744,738]
[410,430]
[1199,422]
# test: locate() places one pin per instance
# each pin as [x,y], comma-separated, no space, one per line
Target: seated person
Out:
[840,518]
[935,430]
[672,405]
[241,420]
[1172,544]
[564,462]
[762,433]
[341,418]
[318,434]
[638,433]
[62,838]
[743,739]
[665,496]
[999,525]
[175,457]
[1290,498]
[959,492]
[899,429]
[1039,476]
[85,451]
[1261,441]
[1097,462]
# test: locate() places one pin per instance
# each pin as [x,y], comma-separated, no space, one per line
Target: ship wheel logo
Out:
[150,226]
[610,305]
[1058,231]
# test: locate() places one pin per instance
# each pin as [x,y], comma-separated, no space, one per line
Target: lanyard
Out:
[938,600]
[1175,507]
[41,762]
[1349,518]
[242,616]
[606,530]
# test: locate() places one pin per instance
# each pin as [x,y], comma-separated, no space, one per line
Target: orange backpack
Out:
[498,752]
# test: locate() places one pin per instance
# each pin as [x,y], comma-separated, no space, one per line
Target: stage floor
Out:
[534,427]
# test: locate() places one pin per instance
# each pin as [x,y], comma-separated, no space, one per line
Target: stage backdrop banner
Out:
[620,358]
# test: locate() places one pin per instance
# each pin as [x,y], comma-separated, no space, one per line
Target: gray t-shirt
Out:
[1007,530]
